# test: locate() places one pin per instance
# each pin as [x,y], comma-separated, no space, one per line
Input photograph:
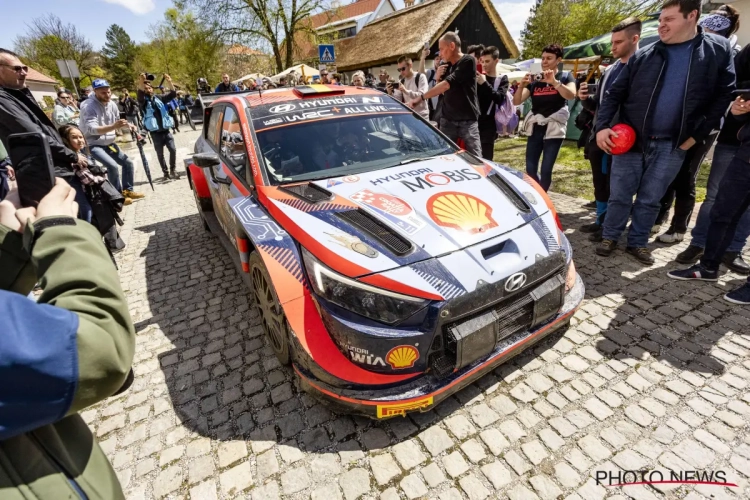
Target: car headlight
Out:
[366,300]
[570,279]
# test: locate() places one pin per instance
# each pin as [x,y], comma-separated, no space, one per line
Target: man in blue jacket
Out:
[158,121]
[226,85]
[673,93]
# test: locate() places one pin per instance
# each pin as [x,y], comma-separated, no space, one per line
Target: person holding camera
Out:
[672,93]
[459,108]
[129,106]
[547,123]
[71,349]
[20,113]
[625,38]
[410,87]
[157,120]
[100,118]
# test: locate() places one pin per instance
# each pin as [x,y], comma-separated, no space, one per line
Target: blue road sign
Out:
[326,54]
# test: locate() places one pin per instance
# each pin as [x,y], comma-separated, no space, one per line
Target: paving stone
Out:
[204,491]
[539,382]
[638,415]
[545,487]
[711,441]
[460,426]
[473,450]
[609,397]
[551,439]
[521,492]
[497,474]
[167,481]
[413,487]
[408,454]
[267,464]
[433,475]
[518,464]
[613,437]
[295,480]
[436,440]
[326,492]
[503,404]
[694,453]
[231,452]
[473,488]
[355,483]
[451,494]
[455,465]
[535,451]
[384,468]
[523,392]
[731,419]
[483,415]
[528,418]
[594,448]
[558,373]
[494,440]
[574,363]
[579,418]
[566,475]
[629,460]
[565,428]
[597,409]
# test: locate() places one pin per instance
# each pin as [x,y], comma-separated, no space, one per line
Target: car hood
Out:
[431,208]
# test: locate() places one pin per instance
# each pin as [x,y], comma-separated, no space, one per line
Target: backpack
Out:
[416,82]
[506,112]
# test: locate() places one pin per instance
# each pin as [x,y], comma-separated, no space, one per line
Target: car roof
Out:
[316,91]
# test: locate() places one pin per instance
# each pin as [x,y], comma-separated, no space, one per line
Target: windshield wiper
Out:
[412,160]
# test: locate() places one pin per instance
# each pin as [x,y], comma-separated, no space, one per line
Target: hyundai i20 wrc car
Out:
[389,267]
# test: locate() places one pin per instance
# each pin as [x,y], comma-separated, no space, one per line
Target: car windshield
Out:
[339,140]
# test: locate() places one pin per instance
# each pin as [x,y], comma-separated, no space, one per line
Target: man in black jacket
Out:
[625,38]
[492,91]
[19,113]
[673,93]
[732,201]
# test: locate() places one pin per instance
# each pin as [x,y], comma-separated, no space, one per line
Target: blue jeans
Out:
[85,212]
[646,176]
[111,156]
[535,146]
[723,155]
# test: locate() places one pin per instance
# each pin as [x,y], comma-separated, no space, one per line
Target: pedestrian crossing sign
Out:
[326,54]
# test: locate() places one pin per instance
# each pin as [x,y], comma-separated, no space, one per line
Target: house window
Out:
[347,32]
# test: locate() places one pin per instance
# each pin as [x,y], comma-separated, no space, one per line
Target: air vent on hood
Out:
[509,192]
[369,224]
[470,158]
[308,192]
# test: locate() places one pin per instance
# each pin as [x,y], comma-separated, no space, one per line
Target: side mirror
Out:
[206,160]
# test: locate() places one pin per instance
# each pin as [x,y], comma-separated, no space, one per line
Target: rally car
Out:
[389,267]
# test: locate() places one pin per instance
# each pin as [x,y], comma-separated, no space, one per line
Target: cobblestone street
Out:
[653,373]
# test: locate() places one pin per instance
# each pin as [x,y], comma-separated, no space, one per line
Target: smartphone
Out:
[123,116]
[480,69]
[427,46]
[32,160]
[744,93]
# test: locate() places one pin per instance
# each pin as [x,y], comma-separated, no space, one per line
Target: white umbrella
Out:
[505,68]
[300,69]
[254,76]
[516,75]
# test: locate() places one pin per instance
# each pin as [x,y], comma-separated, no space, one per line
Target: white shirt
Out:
[413,91]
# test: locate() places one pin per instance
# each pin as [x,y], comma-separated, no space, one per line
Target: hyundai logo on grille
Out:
[515,282]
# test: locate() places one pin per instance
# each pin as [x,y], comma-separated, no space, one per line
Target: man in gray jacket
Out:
[100,118]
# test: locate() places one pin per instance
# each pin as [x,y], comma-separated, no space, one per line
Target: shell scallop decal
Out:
[460,211]
[403,356]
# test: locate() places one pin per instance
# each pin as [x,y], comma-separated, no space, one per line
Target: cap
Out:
[100,83]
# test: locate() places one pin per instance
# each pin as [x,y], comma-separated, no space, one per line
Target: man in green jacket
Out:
[70,350]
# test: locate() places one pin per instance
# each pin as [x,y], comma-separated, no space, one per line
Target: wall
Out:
[743,34]
[39,90]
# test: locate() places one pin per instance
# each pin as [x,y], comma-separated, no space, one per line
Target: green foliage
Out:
[119,53]
[571,21]
[49,103]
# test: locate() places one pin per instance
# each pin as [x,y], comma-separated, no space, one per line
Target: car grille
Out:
[384,234]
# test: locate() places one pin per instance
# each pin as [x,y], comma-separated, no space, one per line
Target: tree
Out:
[265,24]
[48,39]
[119,53]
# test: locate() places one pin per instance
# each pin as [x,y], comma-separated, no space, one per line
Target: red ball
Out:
[624,140]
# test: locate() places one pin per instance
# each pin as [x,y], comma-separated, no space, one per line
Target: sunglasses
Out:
[401,70]
[17,69]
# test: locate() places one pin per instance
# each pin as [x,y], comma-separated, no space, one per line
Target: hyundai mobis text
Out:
[388,267]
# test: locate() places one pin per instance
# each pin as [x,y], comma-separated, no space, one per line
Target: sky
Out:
[93,17]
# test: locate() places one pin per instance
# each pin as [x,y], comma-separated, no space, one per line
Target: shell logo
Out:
[460,211]
[403,356]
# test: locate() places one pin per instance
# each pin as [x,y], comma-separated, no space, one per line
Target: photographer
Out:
[70,350]
[100,118]
[158,121]
[410,87]
[547,123]
[459,107]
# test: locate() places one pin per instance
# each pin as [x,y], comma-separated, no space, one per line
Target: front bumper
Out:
[426,391]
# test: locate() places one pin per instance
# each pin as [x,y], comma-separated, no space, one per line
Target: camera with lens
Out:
[150,77]
[539,77]
[202,86]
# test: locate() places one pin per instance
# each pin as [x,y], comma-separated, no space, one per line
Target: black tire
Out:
[266,302]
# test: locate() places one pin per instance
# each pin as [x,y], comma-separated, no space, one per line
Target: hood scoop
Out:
[309,192]
[386,236]
[509,192]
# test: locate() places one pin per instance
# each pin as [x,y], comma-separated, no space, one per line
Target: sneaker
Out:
[175,175]
[165,178]
[132,194]
[671,236]
[596,237]
[643,254]
[127,201]
[739,296]
[697,272]
[590,228]
[735,263]
[690,255]
[656,228]
[606,247]
[590,205]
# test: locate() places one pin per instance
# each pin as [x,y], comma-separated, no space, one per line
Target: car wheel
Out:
[270,311]
[204,205]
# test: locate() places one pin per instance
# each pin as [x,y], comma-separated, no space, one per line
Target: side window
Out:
[212,132]
[232,143]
